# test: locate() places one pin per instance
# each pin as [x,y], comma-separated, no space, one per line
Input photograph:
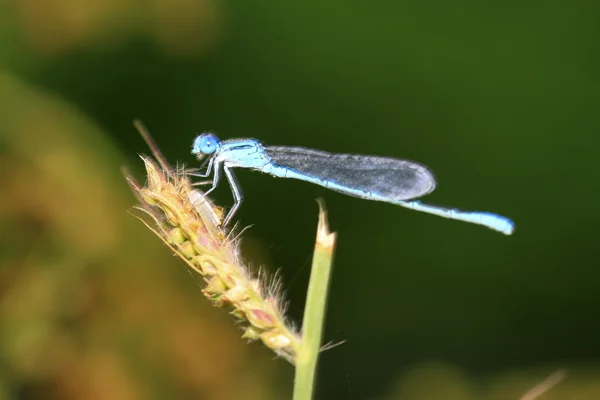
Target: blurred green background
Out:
[500,99]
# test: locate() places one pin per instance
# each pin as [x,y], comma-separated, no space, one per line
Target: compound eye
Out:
[206,143]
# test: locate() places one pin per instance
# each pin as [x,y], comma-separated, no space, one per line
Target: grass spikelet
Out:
[189,223]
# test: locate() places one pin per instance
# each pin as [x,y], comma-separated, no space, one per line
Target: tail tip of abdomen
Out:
[498,223]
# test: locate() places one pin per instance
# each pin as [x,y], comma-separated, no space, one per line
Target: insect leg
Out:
[238,196]
[208,169]
[216,178]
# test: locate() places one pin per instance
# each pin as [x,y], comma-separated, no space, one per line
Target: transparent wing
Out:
[357,175]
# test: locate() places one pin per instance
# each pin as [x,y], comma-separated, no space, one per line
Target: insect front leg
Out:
[205,174]
[216,177]
[238,196]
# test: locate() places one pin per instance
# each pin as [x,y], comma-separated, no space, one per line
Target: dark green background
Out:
[500,99]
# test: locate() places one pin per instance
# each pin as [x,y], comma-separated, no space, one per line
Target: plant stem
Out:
[314,312]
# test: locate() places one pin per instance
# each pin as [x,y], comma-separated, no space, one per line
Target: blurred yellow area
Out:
[181,27]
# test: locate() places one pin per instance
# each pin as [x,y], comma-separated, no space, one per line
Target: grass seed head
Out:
[189,223]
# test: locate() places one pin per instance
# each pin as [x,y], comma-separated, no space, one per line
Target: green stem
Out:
[314,312]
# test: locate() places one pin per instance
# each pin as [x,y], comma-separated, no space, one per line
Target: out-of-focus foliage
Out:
[56,27]
[499,99]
